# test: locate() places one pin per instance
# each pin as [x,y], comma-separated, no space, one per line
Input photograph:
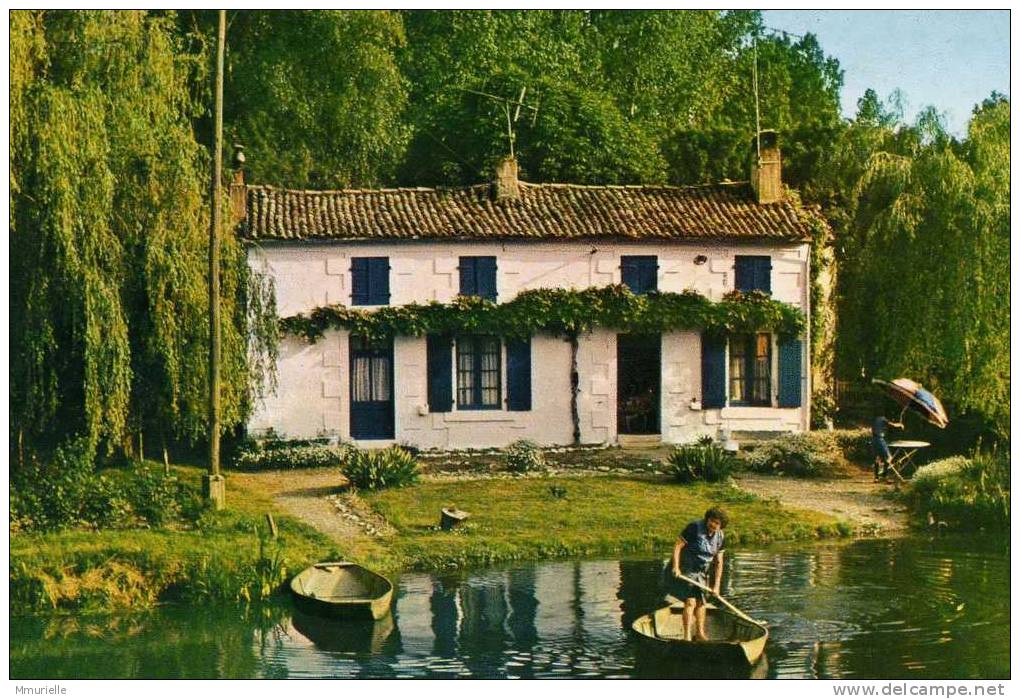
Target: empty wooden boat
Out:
[342,590]
[731,639]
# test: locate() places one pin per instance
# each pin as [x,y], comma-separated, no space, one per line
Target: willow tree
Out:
[108,237]
[924,258]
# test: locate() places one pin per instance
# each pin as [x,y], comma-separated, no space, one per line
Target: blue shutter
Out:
[359,281]
[763,274]
[468,287]
[790,352]
[439,358]
[640,273]
[518,374]
[485,277]
[713,371]
[379,281]
[753,273]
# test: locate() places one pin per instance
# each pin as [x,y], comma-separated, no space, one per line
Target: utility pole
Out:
[214,485]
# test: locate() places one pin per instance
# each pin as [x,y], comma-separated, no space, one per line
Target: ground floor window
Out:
[751,369]
[479,373]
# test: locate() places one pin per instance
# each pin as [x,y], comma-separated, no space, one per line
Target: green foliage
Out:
[385,468]
[896,194]
[965,493]
[700,462]
[109,230]
[317,96]
[65,492]
[559,311]
[523,456]
[256,455]
[810,455]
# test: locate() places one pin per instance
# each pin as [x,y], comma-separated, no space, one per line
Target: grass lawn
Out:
[521,518]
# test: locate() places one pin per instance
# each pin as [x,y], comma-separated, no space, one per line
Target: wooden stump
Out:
[451,517]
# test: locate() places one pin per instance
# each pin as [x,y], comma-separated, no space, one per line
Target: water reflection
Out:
[868,609]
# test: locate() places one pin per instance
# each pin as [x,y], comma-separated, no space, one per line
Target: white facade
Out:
[313,395]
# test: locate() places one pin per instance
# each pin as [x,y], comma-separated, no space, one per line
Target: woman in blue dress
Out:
[698,551]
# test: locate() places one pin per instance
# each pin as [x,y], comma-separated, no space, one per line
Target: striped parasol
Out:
[911,394]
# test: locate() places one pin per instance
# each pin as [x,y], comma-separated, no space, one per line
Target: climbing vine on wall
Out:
[559,312]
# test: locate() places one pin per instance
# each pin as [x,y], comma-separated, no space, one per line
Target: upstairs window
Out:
[640,273]
[479,373]
[751,369]
[370,281]
[478,277]
[753,273]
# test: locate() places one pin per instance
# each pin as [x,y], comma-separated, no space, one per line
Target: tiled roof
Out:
[543,211]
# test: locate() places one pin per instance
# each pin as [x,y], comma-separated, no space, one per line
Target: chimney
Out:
[506,186]
[767,169]
[238,191]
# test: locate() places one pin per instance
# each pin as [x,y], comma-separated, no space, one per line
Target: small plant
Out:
[700,462]
[523,456]
[373,470]
[558,491]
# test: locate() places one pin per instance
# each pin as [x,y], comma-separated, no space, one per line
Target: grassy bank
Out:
[223,556]
[526,519]
[228,556]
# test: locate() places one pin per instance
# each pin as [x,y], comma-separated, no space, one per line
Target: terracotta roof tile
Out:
[548,211]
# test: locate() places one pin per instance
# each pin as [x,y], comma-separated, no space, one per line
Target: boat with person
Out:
[732,640]
[339,589]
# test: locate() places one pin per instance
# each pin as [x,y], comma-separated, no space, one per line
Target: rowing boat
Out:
[731,639]
[342,590]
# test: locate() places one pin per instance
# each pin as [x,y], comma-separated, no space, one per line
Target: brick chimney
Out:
[506,186]
[767,169]
[238,190]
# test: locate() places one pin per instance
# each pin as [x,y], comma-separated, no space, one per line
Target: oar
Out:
[719,597]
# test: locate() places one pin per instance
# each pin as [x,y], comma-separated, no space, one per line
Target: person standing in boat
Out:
[698,551]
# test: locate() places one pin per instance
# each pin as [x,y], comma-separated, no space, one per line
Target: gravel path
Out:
[859,500]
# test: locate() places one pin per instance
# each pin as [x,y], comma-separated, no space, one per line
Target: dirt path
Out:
[866,504]
[313,496]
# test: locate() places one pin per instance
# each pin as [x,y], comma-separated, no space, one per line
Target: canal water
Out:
[878,609]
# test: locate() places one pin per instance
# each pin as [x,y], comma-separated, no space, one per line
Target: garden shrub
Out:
[801,455]
[523,456]
[388,468]
[700,462]
[964,493]
[281,454]
[65,491]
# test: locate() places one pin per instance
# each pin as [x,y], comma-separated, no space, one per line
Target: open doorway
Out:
[638,383]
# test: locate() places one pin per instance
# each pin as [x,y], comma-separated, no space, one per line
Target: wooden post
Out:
[272,524]
[215,489]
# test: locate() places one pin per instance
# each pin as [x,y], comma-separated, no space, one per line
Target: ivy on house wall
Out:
[564,312]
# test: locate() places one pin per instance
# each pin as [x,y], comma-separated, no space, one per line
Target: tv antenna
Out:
[511,109]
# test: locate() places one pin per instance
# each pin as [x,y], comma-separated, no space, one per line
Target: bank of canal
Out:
[878,608]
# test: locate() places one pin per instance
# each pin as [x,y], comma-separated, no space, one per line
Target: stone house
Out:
[388,247]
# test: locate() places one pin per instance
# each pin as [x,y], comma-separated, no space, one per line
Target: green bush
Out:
[964,493]
[700,462]
[281,454]
[388,468]
[54,493]
[523,456]
[801,455]
[65,492]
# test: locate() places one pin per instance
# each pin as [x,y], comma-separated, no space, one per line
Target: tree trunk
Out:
[575,388]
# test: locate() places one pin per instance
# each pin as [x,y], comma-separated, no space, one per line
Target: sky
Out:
[951,59]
